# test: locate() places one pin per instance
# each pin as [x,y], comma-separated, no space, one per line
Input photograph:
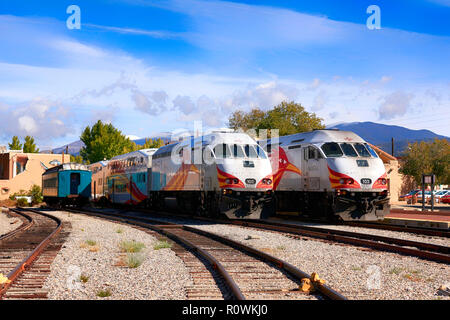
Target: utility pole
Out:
[392,145]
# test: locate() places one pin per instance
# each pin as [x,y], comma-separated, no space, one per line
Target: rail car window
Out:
[222,151]
[361,149]
[348,150]
[332,150]
[237,151]
[372,152]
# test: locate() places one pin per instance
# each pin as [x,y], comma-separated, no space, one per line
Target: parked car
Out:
[445,199]
[441,193]
[407,196]
[427,196]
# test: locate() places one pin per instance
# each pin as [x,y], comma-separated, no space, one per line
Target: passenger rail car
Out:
[127,177]
[219,173]
[99,174]
[330,174]
[67,184]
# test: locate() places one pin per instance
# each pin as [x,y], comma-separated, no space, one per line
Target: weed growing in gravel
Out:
[84,278]
[355,268]
[91,242]
[162,244]
[103,293]
[395,271]
[134,260]
[131,246]
[281,248]
[411,277]
[119,231]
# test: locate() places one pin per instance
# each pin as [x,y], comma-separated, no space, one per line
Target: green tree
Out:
[15,144]
[428,158]
[287,117]
[36,194]
[29,146]
[77,159]
[104,141]
[149,143]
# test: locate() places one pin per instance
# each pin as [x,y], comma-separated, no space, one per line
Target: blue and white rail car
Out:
[219,173]
[328,173]
[68,183]
[127,177]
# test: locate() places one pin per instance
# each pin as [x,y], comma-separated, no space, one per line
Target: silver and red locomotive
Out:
[329,174]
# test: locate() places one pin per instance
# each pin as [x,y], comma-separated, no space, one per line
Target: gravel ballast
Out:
[8,223]
[358,273]
[92,251]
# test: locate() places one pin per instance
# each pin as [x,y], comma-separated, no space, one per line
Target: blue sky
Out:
[157,66]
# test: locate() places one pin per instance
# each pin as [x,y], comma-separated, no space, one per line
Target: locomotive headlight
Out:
[235,181]
[228,181]
[342,181]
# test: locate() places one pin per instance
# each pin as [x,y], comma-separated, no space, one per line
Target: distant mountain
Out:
[71,148]
[75,147]
[381,134]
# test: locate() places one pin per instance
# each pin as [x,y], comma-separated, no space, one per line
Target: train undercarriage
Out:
[332,206]
[232,204]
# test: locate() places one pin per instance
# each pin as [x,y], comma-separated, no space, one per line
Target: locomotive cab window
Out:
[261,152]
[250,151]
[372,152]
[222,151]
[332,150]
[361,149]
[237,151]
[348,150]
[312,152]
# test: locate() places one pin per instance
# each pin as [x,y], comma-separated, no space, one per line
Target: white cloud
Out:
[40,118]
[395,104]
[27,124]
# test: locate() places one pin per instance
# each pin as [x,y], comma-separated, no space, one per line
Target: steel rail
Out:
[365,240]
[401,242]
[17,271]
[24,226]
[296,273]
[293,271]
[438,253]
[161,228]
[416,230]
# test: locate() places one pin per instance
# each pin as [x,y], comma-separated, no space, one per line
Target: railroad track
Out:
[416,230]
[425,231]
[26,254]
[418,249]
[240,272]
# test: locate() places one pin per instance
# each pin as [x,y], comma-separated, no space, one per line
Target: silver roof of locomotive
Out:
[208,139]
[317,136]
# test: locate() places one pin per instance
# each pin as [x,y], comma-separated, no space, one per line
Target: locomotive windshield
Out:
[372,152]
[237,151]
[362,150]
[224,151]
[332,150]
[348,150]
